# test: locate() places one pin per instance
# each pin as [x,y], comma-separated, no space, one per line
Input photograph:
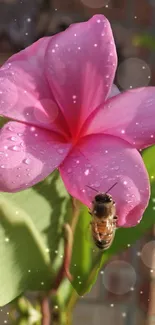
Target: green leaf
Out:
[24,261]
[82,251]
[125,236]
[3,120]
[48,205]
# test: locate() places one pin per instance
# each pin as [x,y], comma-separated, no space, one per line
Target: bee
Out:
[104,221]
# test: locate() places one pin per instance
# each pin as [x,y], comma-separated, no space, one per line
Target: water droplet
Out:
[32,128]
[152,136]
[106,151]
[42,283]
[36,134]
[122,131]
[60,151]
[95,45]
[74,96]
[125,182]
[69,170]
[2,166]
[27,161]
[15,148]
[7,239]
[10,128]
[5,147]
[13,139]
[20,134]
[86,172]
[97,184]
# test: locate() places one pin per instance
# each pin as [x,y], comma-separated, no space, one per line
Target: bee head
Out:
[103,198]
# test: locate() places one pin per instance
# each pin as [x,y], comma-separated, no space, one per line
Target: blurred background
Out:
[125,290]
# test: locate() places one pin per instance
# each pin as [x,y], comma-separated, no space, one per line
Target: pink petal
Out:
[130,116]
[100,161]
[24,91]
[81,64]
[27,155]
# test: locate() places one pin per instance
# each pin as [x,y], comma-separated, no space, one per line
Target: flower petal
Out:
[130,116]
[24,91]
[100,161]
[81,64]
[27,155]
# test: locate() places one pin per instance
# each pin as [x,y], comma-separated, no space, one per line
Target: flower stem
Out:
[45,310]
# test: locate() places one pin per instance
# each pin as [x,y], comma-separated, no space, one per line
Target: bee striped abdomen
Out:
[103,233]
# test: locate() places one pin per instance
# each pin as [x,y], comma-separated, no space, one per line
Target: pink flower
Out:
[56,92]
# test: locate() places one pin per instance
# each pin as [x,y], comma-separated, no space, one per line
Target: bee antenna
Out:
[110,188]
[92,188]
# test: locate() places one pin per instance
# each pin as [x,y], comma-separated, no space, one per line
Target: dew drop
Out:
[13,139]
[86,172]
[20,134]
[32,128]
[122,131]
[5,147]
[2,166]
[97,184]
[95,45]
[27,161]
[10,128]
[15,148]
[60,151]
